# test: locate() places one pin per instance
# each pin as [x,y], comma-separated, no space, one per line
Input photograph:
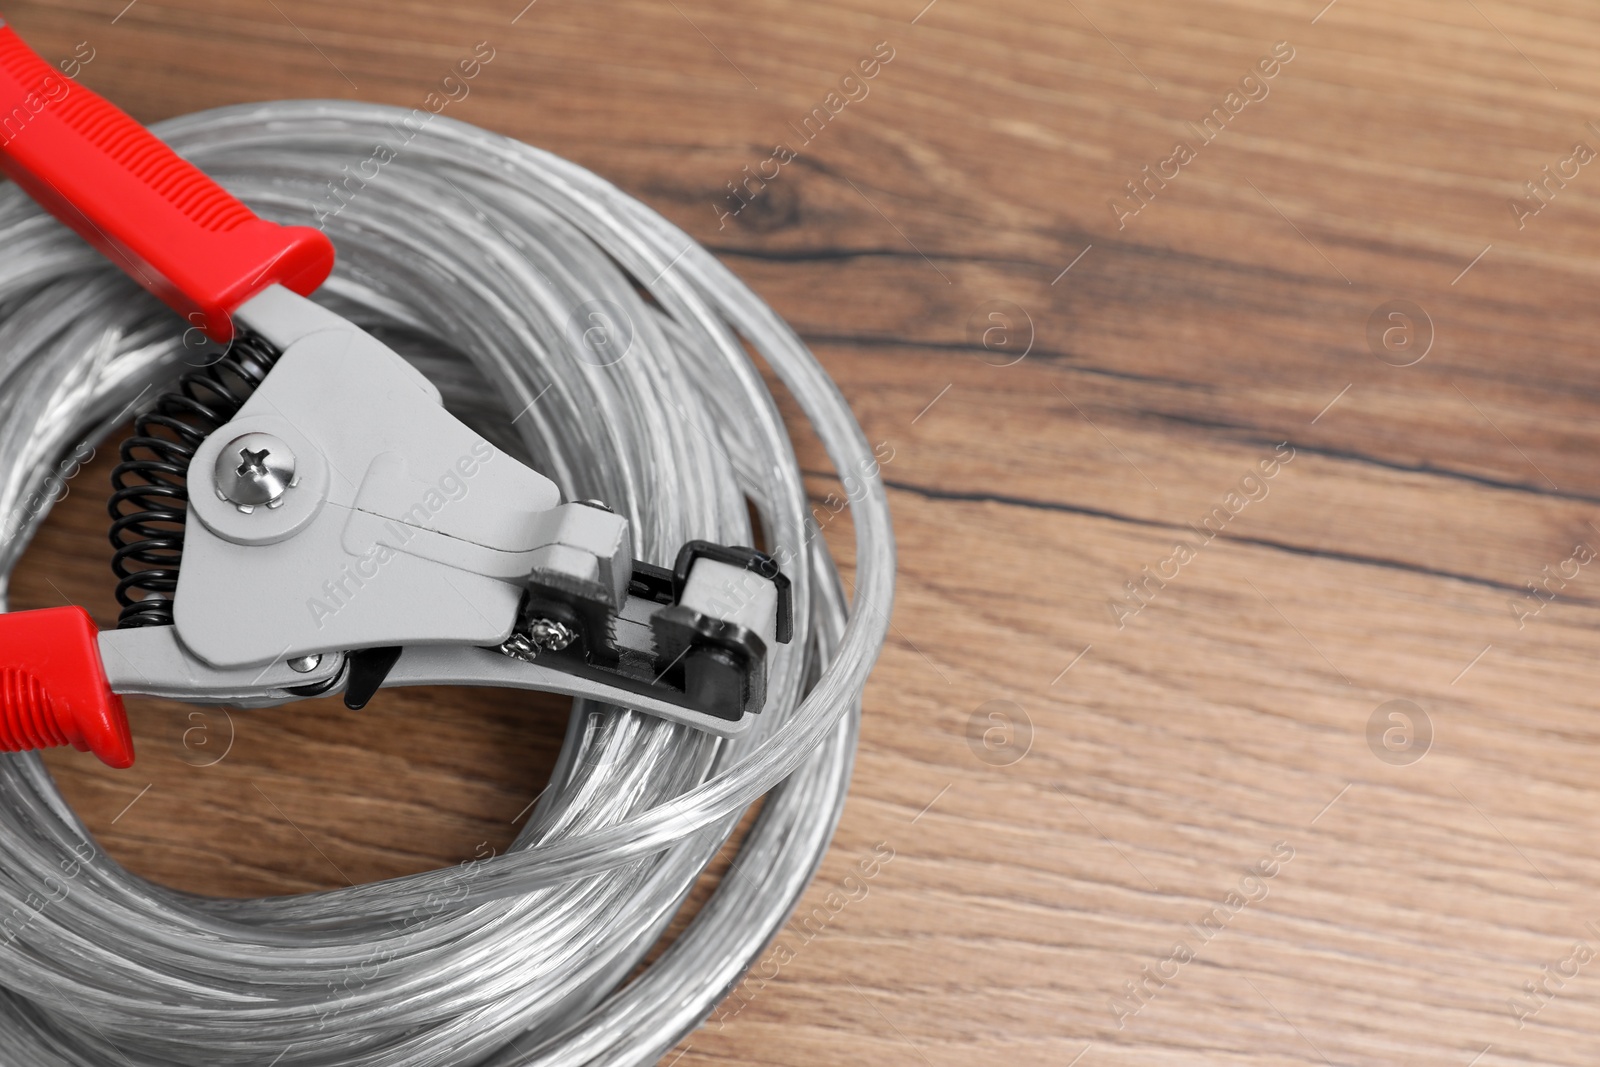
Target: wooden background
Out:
[1054,846]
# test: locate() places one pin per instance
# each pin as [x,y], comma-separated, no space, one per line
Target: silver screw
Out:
[549,635]
[254,470]
[517,646]
[544,635]
[305,664]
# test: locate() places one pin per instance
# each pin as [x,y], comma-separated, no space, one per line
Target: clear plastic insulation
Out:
[584,333]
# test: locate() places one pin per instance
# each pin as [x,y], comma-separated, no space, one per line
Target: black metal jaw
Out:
[658,646]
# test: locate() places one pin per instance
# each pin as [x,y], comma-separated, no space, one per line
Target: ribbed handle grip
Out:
[158,217]
[53,687]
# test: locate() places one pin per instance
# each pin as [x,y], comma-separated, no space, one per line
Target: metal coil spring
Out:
[149,506]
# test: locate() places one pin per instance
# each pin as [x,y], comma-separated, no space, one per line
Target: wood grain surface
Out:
[1323,389]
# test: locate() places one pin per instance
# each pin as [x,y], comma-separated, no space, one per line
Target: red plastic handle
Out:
[171,228]
[53,687]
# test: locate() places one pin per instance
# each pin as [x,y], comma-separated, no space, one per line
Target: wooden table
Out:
[1321,385]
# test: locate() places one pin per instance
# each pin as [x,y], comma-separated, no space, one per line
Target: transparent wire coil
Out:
[485,262]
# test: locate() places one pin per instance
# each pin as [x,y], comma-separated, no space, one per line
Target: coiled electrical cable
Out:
[490,265]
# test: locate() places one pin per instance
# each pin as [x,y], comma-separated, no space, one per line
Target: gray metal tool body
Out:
[346,532]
